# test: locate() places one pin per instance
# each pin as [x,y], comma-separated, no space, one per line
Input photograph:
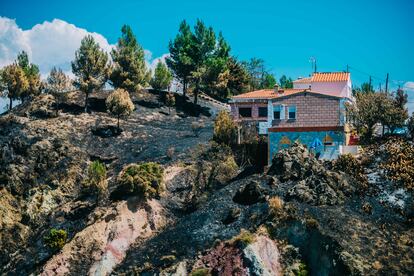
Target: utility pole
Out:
[347,68]
[386,84]
[369,86]
[380,87]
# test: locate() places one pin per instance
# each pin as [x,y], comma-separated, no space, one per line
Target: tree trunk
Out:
[86,101]
[196,94]
[184,88]
[11,104]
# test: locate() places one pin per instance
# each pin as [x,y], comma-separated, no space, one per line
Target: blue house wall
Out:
[281,140]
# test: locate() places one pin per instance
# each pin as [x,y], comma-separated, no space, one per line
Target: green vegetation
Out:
[90,67]
[201,60]
[96,182]
[243,239]
[302,270]
[14,82]
[32,74]
[142,179]
[162,77]
[119,104]
[129,72]
[225,129]
[56,239]
[200,272]
[373,108]
[285,82]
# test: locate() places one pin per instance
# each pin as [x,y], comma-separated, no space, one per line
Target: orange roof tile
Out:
[266,94]
[330,77]
[303,80]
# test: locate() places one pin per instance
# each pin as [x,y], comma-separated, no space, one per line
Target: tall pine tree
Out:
[90,67]
[129,72]
[180,60]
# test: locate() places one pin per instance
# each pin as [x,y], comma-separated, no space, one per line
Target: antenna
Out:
[312,60]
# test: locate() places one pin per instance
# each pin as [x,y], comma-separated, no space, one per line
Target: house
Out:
[313,113]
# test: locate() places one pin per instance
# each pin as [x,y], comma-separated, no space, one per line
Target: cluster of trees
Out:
[20,80]
[201,60]
[372,109]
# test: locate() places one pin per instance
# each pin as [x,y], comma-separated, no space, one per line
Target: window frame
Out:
[279,107]
[294,112]
[241,116]
[262,108]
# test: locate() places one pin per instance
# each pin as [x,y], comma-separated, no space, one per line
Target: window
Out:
[245,112]
[277,110]
[262,111]
[292,112]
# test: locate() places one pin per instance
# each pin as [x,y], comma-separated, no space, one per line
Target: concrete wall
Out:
[311,111]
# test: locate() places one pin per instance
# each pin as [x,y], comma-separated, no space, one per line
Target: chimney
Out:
[276,88]
[310,87]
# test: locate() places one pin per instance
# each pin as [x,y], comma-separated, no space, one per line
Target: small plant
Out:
[225,130]
[302,270]
[169,101]
[243,239]
[56,239]
[119,104]
[197,127]
[142,179]
[200,272]
[96,180]
[275,205]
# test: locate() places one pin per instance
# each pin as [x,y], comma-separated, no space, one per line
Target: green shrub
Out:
[243,239]
[351,166]
[142,179]
[56,239]
[200,272]
[95,182]
[225,129]
[302,270]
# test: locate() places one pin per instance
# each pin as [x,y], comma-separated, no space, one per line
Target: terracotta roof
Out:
[303,80]
[330,77]
[267,94]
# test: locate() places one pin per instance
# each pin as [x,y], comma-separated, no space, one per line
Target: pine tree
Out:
[14,81]
[162,77]
[180,61]
[58,82]
[129,72]
[90,67]
[32,74]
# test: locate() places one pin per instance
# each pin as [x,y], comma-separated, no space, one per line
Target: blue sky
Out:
[374,37]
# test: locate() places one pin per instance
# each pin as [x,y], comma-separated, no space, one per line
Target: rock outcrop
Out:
[311,181]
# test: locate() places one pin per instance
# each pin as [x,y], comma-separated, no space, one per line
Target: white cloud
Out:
[409,85]
[50,44]
[152,64]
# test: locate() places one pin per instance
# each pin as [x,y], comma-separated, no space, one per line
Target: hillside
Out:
[299,216]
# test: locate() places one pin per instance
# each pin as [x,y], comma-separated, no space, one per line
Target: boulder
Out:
[249,194]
